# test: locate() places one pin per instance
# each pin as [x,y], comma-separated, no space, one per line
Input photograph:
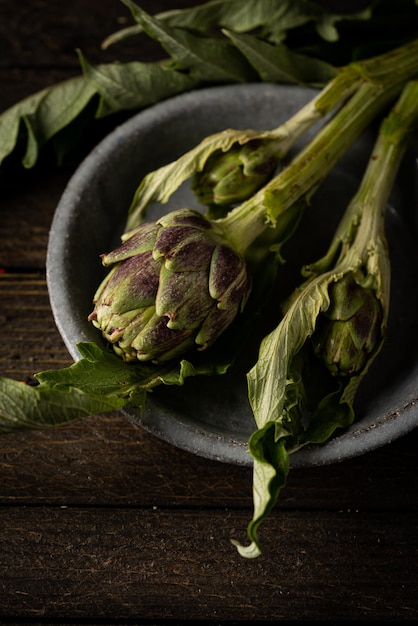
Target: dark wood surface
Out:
[101,522]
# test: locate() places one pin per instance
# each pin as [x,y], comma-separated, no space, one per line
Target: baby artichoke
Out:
[174,284]
[233,176]
[349,331]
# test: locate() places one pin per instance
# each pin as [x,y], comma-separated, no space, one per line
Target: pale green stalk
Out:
[371,199]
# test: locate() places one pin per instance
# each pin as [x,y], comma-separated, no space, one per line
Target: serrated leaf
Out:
[276,387]
[206,59]
[300,13]
[102,373]
[274,19]
[234,14]
[26,407]
[276,63]
[99,382]
[134,85]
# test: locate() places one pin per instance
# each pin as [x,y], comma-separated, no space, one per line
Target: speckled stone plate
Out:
[211,417]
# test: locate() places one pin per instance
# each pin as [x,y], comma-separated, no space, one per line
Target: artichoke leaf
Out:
[269,377]
[43,114]
[102,372]
[275,19]
[133,85]
[270,471]
[235,14]
[97,383]
[276,63]
[207,59]
[25,407]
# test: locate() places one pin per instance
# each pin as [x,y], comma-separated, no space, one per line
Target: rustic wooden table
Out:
[101,522]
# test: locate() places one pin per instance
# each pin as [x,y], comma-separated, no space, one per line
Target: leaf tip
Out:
[252,551]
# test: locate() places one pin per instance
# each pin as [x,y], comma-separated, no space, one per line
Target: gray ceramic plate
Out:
[212,417]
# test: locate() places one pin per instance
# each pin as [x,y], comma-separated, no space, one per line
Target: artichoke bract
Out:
[174,284]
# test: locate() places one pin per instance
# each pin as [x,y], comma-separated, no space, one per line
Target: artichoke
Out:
[350,330]
[233,176]
[174,284]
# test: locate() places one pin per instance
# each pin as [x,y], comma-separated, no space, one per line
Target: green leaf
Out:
[334,411]
[135,85]
[282,392]
[57,113]
[102,373]
[237,15]
[274,18]
[271,469]
[99,382]
[300,13]
[278,64]
[43,115]
[268,379]
[207,59]
[26,407]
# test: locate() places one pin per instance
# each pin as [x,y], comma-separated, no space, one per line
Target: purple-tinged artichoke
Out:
[350,330]
[174,284]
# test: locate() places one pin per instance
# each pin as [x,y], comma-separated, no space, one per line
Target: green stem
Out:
[335,93]
[307,170]
[372,197]
[397,64]
[360,234]
[380,69]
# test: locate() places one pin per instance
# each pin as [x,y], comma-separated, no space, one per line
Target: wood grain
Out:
[179,564]
[32,342]
[107,460]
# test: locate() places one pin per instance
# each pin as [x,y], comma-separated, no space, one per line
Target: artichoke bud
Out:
[173,284]
[350,330]
[235,175]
